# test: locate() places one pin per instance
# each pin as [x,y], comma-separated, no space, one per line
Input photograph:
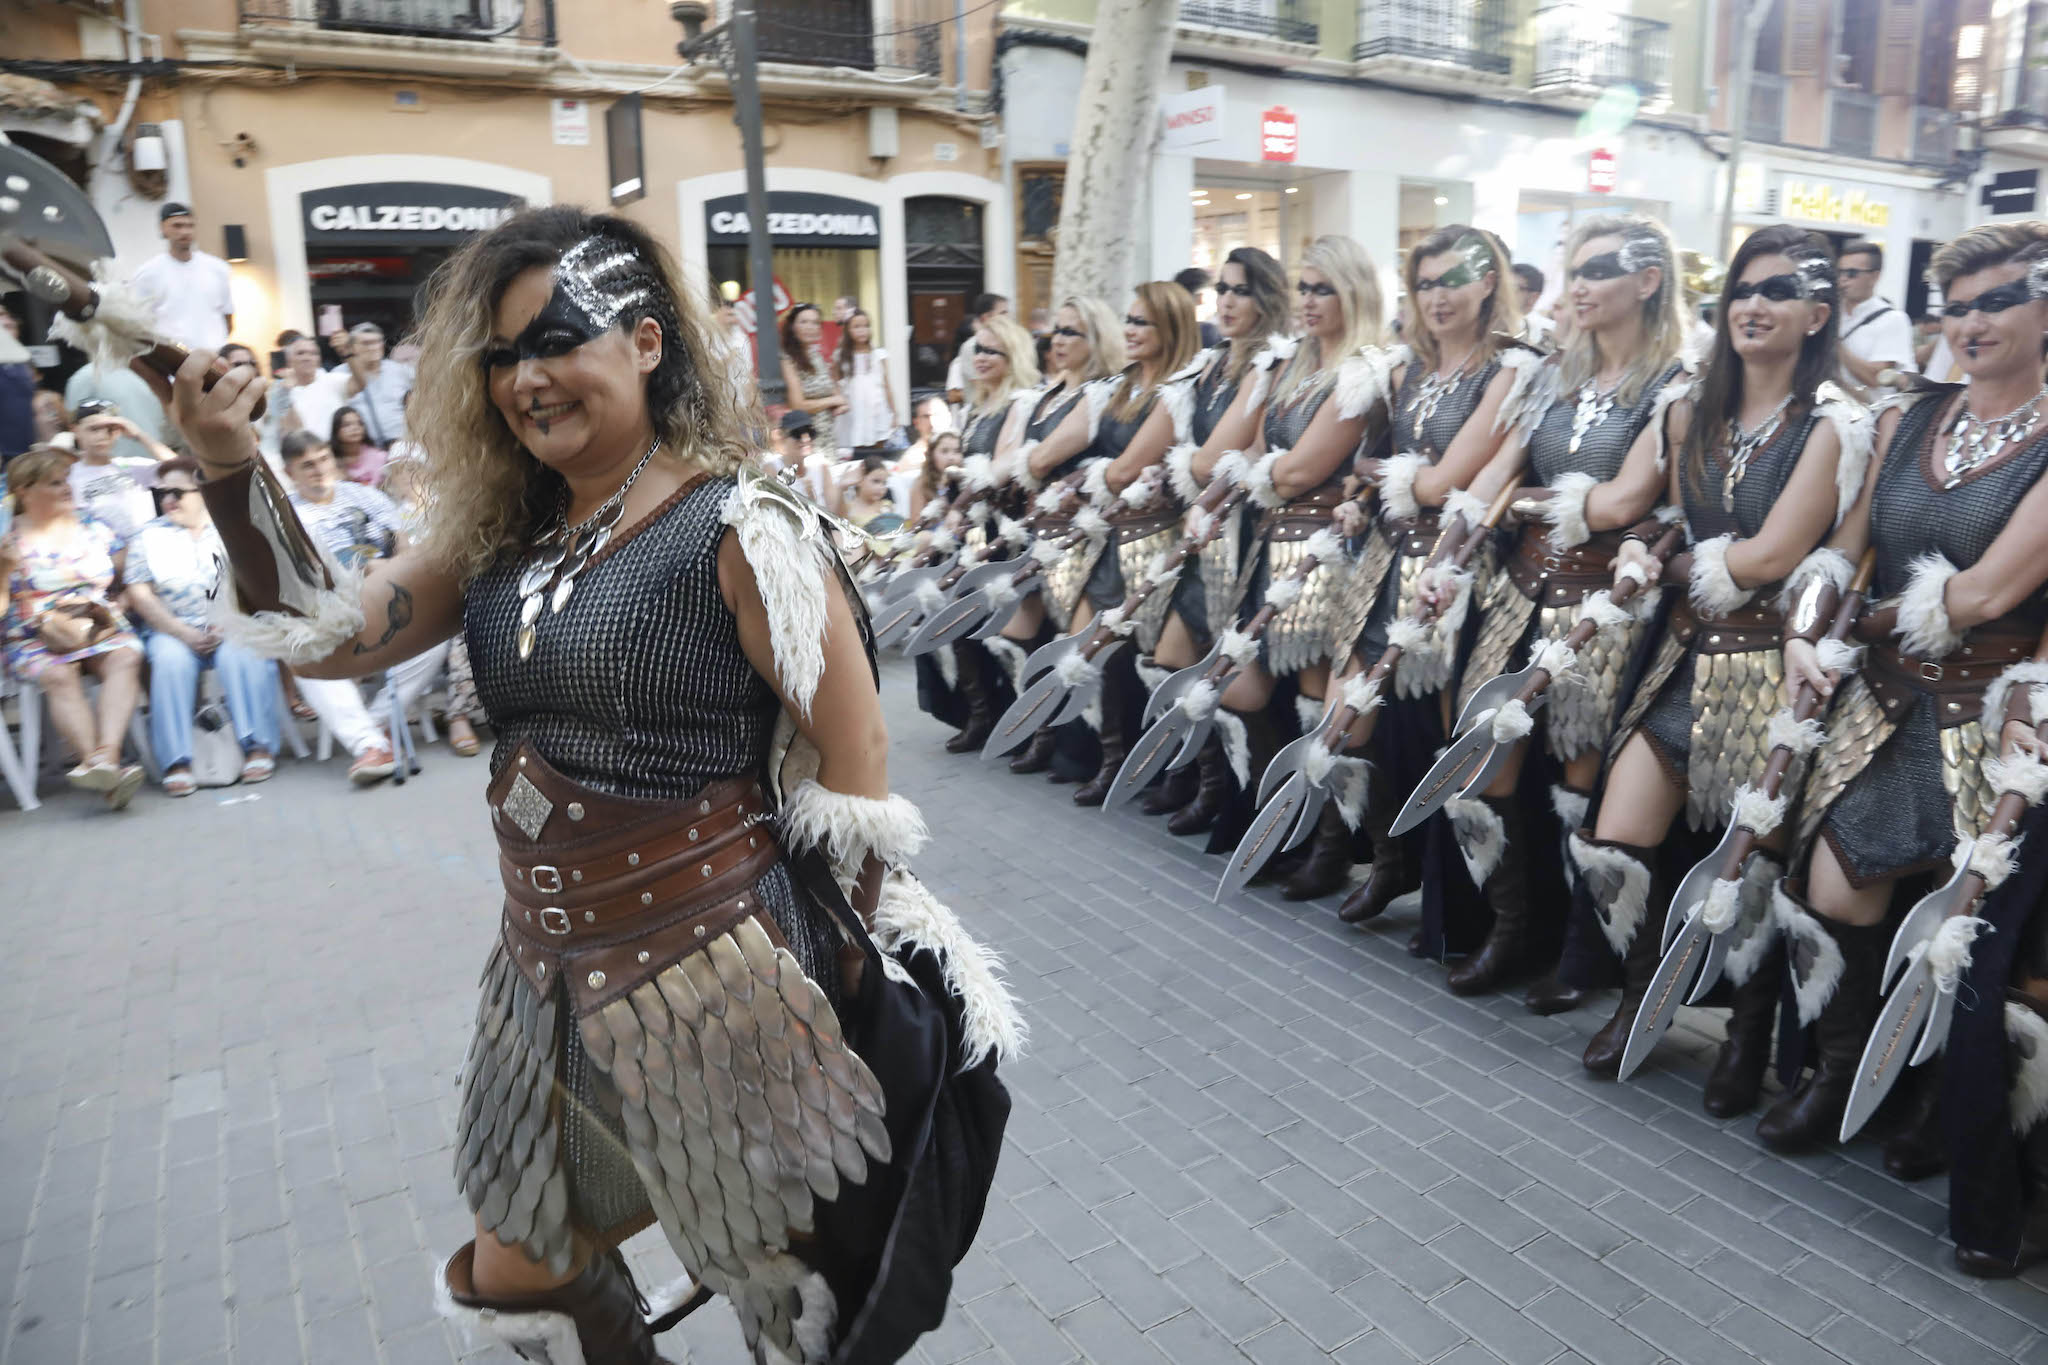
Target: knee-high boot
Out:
[1810,1114]
[1738,1076]
[2028,1062]
[595,1319]
[1916,1151]
[1036,756]
[1118,684]
[1173,791]
[1393,873]
[1621,878]
[1328,865]
[981,716]
[1506,889]
[1213,784]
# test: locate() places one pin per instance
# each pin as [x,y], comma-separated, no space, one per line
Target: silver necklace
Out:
[1591,412]
[1436,387]
[1974,441]
[563,551]
[1743,447]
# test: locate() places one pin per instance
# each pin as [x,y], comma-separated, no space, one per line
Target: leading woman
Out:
[684,706]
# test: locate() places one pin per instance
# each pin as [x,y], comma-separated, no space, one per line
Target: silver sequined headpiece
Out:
[2037,278]
[1473,250]
[1641,248]
[603,278]
[1816,276]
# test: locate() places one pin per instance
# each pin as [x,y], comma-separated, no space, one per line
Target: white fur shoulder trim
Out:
[781,537]
[1367,379]
[1538,384]
[1680,386]
[1856,432]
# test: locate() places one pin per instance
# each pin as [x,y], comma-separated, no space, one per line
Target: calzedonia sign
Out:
[403,210]
[796,219]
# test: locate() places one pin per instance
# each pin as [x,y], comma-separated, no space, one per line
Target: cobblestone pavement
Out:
[233,1027]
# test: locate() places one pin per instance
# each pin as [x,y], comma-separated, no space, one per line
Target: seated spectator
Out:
[55,571]
[110,490]
[304,398]
[129,394]
[867,503]
[794,445]
[359,460]
[173,572]
[355,524]
[51,419]
[405,485]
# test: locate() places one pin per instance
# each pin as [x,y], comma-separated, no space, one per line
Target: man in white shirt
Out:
[1876,336]
[188,286]
[377,387]
[113,492]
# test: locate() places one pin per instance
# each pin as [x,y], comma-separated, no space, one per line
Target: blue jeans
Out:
[248,683]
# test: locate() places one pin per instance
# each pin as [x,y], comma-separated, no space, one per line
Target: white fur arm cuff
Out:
[1565,509]
[1924,628]
[1714,589]
[1397,486]
[2030,674]
[851,828]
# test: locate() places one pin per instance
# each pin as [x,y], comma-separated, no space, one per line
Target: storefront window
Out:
[1278,220]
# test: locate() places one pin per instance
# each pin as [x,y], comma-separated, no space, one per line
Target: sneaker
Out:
[374,764]
[127,782]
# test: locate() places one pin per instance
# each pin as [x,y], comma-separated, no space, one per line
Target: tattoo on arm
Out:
[397,616]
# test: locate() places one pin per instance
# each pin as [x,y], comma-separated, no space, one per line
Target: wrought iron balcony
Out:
[1852,123]
[529,22]
[1765,119]
[846,33]
[1457,35]
[1582,50]
[1281,19]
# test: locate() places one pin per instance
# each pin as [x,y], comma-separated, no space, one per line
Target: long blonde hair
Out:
[1022,353]
[489,493]
[1171,311]
[1664,328]
[1349,270]
[1105,335]
[1500,317]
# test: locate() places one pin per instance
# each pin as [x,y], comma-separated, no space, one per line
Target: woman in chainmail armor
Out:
[1463,315]
[677,675]
[1919,749]
[1772,454]
[1587,441]
[1120,538]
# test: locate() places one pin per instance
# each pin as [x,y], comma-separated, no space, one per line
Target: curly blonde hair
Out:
[489,494]
[1021,373]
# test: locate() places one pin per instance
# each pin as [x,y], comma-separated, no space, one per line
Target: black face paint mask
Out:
[1606,266]
[555,330]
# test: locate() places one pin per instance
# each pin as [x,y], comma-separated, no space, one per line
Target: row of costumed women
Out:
[1688,674]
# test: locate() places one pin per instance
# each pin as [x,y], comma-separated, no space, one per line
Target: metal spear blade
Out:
[894,623]
[1083,694]
[1890,1048]
[1266,836]
[949,623]
[1935,1036]
[910,578]
[1491,696]
[1048,655]
[1173,734]
[1463,761]
[1311,812]
[1692,893]
[1292,758]
[1025,717]
[1666,993]
[1710,971]
[1921,923]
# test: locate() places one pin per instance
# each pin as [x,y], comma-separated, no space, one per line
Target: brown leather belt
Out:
[1135,523]
[1739,632]
[1956,683]
[1411,536]
[1551,577]
[1302,517]
[605,891]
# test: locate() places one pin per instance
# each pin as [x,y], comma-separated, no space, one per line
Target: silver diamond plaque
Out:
[525,807]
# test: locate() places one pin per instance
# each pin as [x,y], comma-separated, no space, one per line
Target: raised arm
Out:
[289,600]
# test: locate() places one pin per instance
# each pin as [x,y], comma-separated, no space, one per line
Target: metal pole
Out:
[1747,22]
[960,55]
[746,112]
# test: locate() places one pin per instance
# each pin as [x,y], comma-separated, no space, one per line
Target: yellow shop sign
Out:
[1816,203]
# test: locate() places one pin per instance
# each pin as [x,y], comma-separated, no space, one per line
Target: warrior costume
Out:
[1198,403]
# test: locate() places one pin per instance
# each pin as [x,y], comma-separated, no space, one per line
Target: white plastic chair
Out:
[20,777]
[31,703]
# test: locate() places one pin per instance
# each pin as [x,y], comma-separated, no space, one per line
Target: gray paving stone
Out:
[1222,1298]
[1406,1320]
[1190,1340]
[1308,1304]
[1503,1331]
[1137,1291]
[1417,1268]
[1102,1333]
[1589,1332]
[1501,1274]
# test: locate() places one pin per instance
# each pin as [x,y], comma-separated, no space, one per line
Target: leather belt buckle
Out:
[552,874]
[1930,670]
[555,920]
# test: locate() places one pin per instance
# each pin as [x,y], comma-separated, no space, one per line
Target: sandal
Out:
[180,783]
[302,710]
[96,774]
[462,737]
[258,768]
[127,781]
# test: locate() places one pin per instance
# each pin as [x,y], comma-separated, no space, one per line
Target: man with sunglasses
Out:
[1876,336]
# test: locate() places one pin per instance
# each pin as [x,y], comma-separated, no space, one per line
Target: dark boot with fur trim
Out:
[1328,865]
[1392,873]
[1506,889]
[1620,879]
[598,1318]
[969,658]
[1213,784]
[1810,1114]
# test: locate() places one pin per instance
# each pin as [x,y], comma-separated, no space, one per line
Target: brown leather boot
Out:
[1213,784]
[1328,865]
[1172,791]
[1507,891]
[1036,756]
[1116,685]
[1810,1114]
[598,1318]
[1552,996]
[1621,878]
[1916,1151]
[1392,873]
[981,716]
[1737,1079]
[1604,1048]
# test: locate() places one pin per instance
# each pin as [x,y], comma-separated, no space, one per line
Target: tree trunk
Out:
[1115,129]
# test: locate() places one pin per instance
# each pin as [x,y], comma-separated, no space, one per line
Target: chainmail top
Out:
[1453,410]
[1287,420]
[1769,471]
[1910,517]
[638,686]
[1604,448]
[1214,393]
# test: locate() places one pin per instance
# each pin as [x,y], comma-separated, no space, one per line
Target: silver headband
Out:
[603,278]
[1641,248]
[1816,276]
[2037,278]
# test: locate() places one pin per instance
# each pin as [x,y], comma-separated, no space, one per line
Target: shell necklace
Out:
[1974,441]
[1593,407]
[1435,387]
[563,551]
[1743,447]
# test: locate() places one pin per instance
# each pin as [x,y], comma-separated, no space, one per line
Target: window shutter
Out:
[1805,27]
[1898,48]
